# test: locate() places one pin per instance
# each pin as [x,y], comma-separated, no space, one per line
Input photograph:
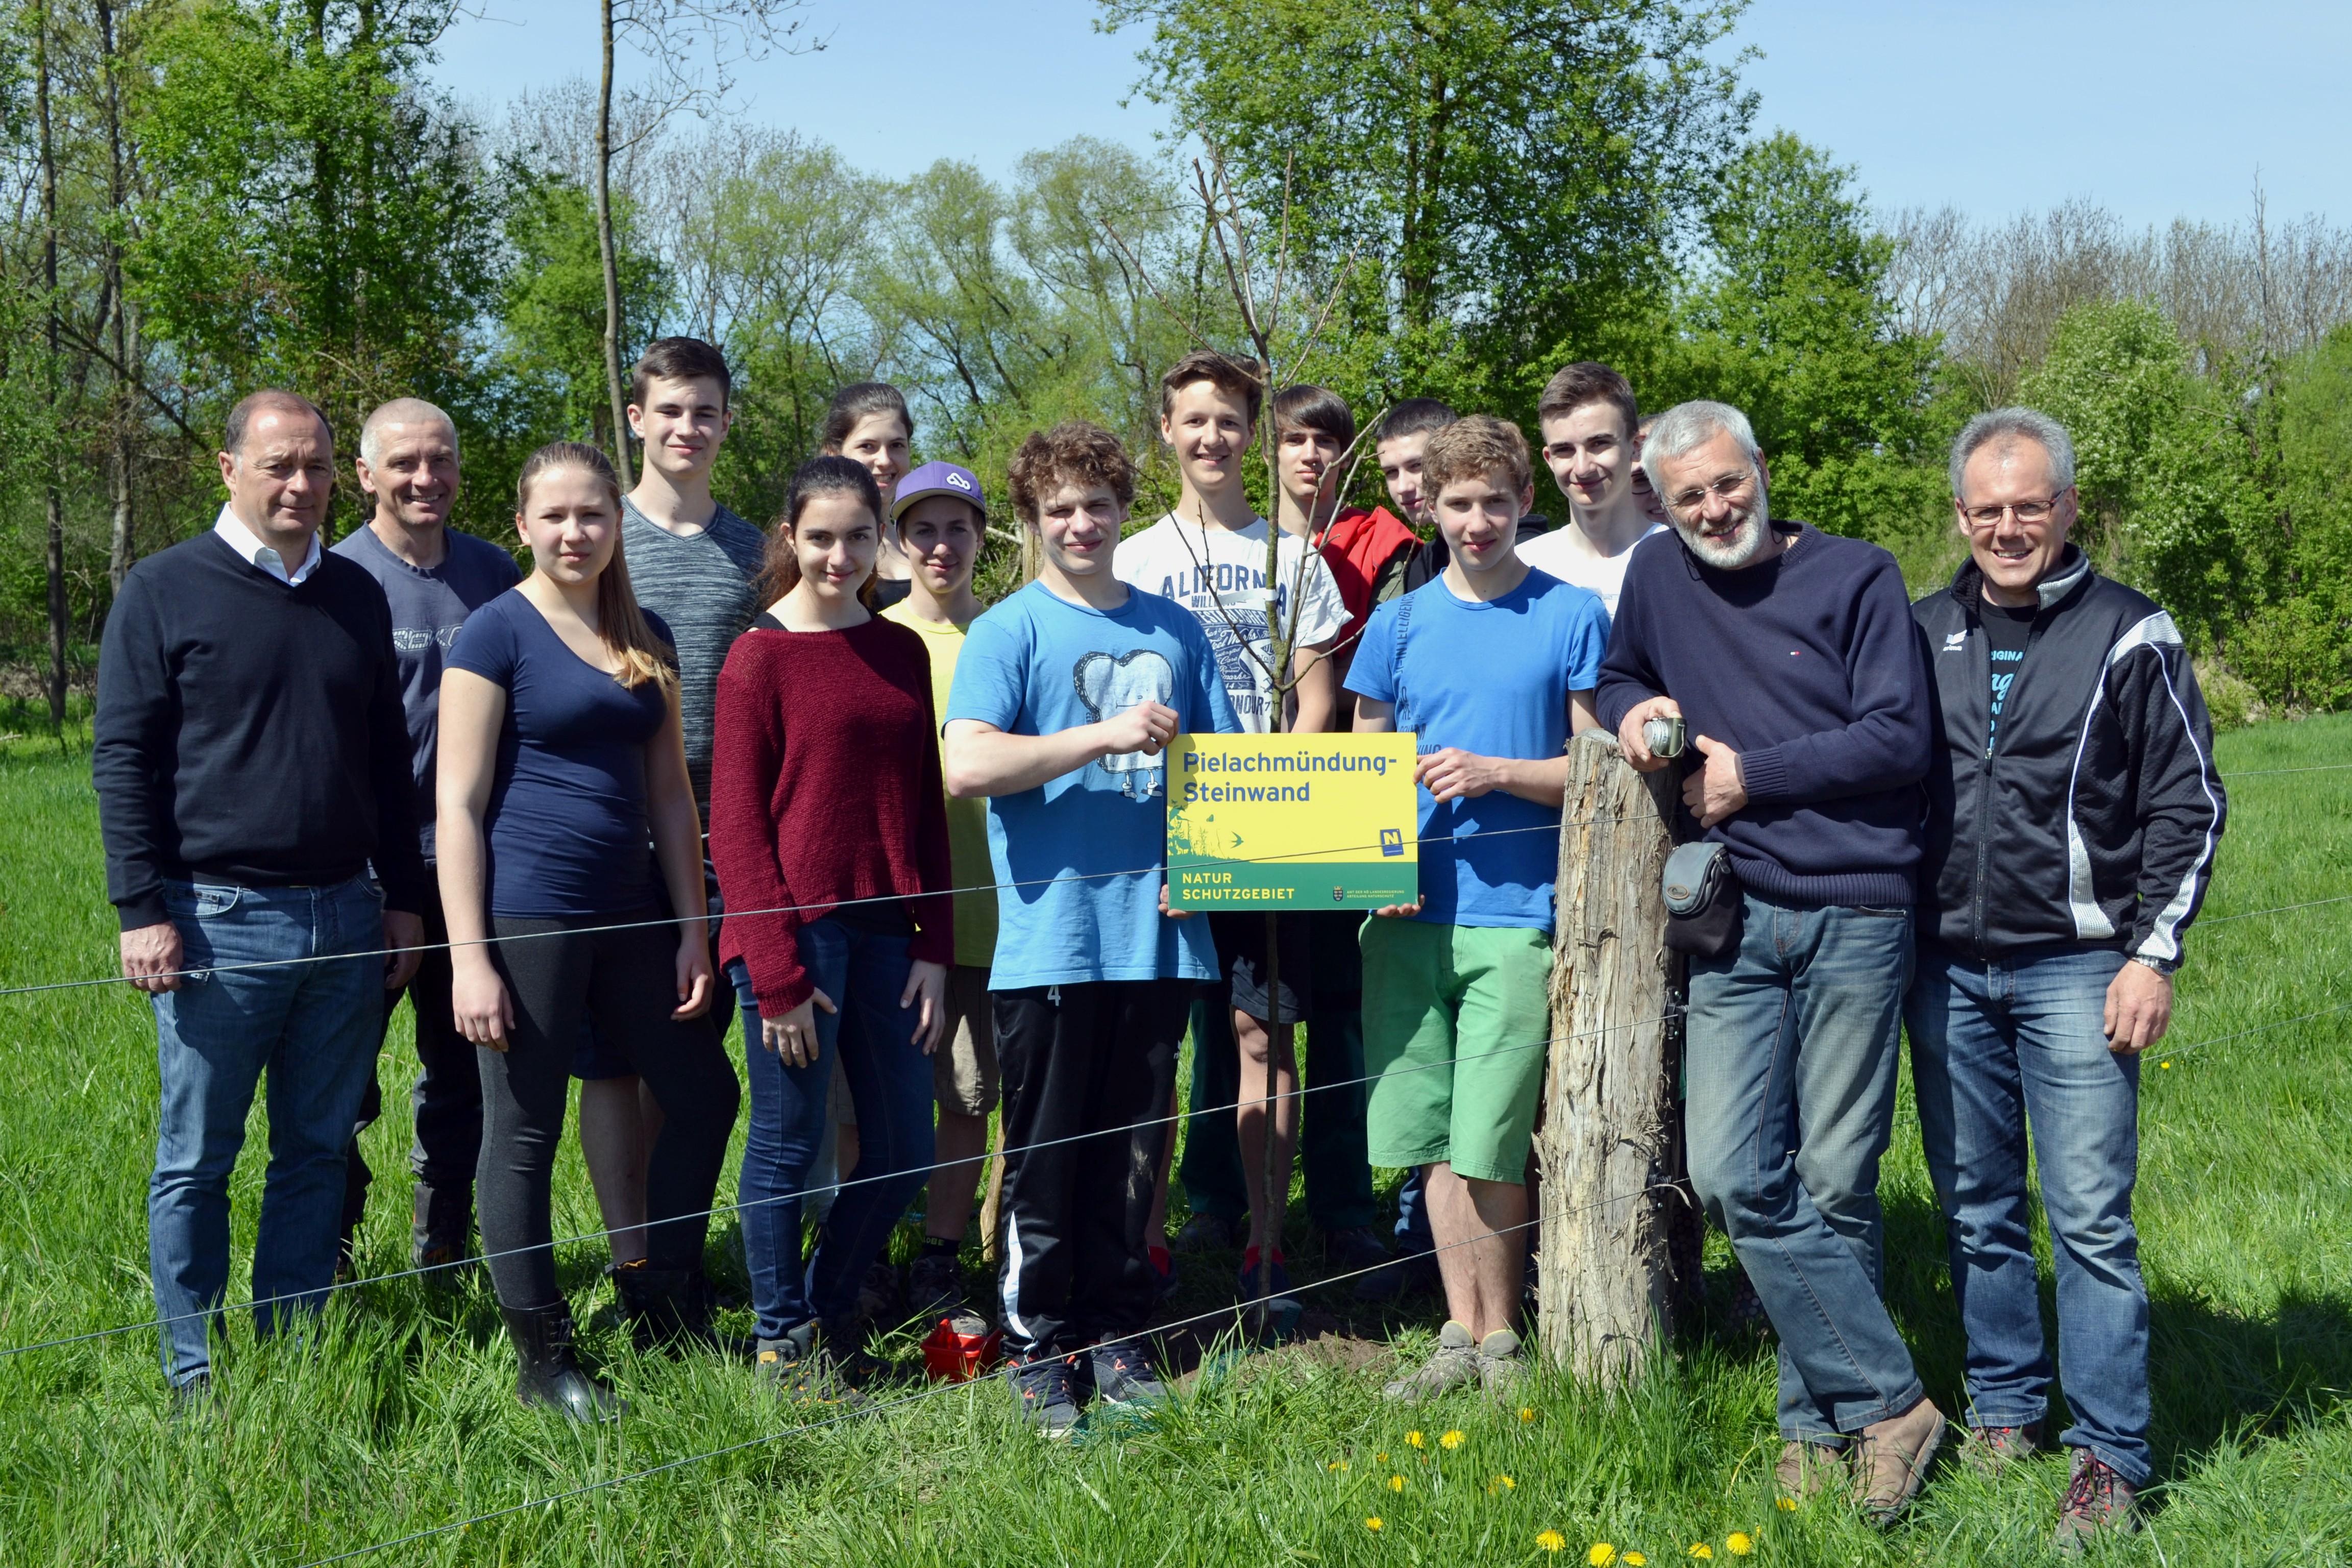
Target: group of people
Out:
[933,879]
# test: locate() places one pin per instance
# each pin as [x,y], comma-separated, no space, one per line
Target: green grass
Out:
[397,1416]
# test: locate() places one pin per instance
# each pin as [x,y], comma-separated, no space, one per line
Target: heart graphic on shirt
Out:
[1109,685]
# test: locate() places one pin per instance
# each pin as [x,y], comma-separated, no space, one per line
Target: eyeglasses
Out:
[2029,513]
[1730,489]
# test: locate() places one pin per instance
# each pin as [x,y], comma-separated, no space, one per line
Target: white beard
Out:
[1741,547]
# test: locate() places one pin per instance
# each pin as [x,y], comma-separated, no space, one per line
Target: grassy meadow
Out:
[396,1416]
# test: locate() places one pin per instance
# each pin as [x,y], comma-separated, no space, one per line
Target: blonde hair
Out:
[620,620]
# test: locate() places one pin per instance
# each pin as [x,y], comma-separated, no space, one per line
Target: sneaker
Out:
[1163,1273]
[1892,1459]
[2098,1500]
[934,1289]
[878,1294]
[1207,1233]
[1279,1285]
[1805,1470]
[1124,1375]
[1499,1366]
[193,1400]
[1045,1391]
[1990,1449]
[1452,1364]
[802,1370]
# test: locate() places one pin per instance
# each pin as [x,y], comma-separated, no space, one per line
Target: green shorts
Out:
[1456,1021]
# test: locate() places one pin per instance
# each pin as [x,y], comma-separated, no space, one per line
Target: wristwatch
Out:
[2164,966]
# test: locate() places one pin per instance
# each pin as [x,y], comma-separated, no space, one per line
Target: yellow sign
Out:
[1292,821]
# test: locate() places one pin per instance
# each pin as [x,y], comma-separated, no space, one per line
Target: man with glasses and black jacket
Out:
[2074,812]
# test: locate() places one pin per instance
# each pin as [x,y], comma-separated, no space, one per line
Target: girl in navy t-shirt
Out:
[561,759]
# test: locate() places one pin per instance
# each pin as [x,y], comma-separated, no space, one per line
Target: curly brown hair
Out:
[1473,449]
[1073,452]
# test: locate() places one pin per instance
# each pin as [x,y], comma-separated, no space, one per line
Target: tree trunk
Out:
[612,262]
[122,547]
[1604,1279]
[54,502]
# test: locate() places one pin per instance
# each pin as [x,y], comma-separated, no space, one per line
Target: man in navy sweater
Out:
[1790,655]
[253,790]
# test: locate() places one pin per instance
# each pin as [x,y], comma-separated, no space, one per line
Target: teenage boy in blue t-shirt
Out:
[1066,697]
[1492,665]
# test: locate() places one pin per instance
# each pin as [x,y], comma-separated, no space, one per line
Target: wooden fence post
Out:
[1604,1277]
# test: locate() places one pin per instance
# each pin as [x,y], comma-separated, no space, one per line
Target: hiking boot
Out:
[1990,1449]
[802,1370]
[1045,1391]
[1207,1233]
[1499,1366]
[1453,1362]
[549,1375]
[1805,1470]
[934,1289]
[1279,1285]
[1124,1375]
[2099,1501]
[878,1294]
[669,1309]
[1892,1459]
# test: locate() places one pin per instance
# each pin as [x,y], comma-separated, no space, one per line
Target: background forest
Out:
[204,196]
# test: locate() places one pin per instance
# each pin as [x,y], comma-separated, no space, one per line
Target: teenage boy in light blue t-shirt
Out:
[1066,697]
[1493,666]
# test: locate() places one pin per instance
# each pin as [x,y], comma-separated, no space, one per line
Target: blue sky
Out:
[2156,108]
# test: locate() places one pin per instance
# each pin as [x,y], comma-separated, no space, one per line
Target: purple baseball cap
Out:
[938,478]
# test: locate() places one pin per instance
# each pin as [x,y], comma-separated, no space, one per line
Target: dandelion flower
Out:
[1601,1555]
[1396,1483]
[1451,1440]
[1738,1544]
[1634,1560]
[1700,1549]
[1416,1439]
[1379,1459]
[1785,1504]
[1340,1465]
[2165,1066]
[1500,1484]
[1552,1540]
[1373,1523]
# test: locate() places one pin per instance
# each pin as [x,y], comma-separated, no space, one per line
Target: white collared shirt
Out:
[241,539]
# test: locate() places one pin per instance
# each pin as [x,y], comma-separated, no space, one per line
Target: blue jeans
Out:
[1793,1041]
[1994,1046]
[890,1085]
[313,1027]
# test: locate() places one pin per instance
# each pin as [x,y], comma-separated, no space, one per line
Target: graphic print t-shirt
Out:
[1219,574]
[428,606]
[1079,859]
[2006,631]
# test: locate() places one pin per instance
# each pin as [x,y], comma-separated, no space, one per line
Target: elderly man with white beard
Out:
[1788,654]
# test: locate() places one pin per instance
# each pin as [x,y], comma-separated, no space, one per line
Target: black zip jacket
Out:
[2094,817]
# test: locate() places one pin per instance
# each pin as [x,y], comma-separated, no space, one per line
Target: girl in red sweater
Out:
[828,825]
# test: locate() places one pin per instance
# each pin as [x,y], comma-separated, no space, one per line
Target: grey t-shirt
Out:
[428,608]
[700,584]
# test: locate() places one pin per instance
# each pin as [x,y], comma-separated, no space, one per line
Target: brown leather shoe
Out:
[1892,1460]
[2098,1500]
[1807,1469]
[1990,1449]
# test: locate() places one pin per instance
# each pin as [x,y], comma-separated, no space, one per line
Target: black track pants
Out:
[1098,1058]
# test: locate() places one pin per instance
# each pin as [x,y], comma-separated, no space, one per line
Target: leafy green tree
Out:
[1511,173]
[1794,322]
[318,219]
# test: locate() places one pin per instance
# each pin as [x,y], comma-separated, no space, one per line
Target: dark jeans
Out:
[1993,1046]
[311,1027]
[1793,1040]
[626,980]
[889,1078]
[1331,1120]
[1087,1071]
[446,1101]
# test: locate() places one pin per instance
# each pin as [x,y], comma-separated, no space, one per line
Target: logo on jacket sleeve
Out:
[1953,641]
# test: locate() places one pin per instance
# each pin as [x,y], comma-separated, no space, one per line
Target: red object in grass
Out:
[952,1357]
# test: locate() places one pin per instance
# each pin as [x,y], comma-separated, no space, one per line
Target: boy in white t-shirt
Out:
[1209,556]
[1588,419]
